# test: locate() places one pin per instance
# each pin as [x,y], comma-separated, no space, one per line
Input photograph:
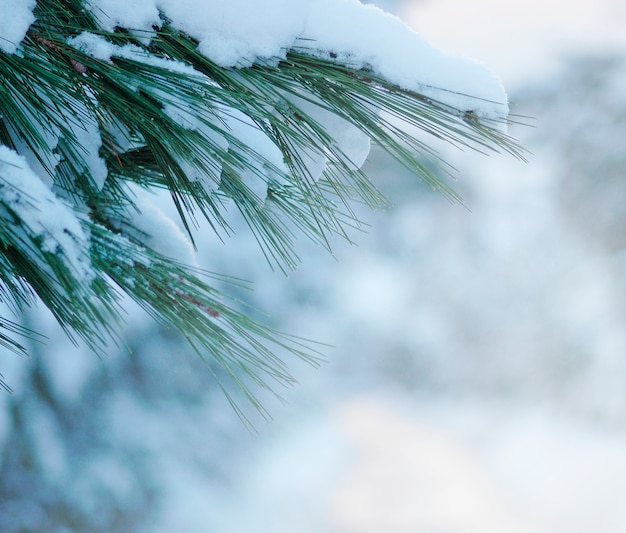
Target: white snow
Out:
[138,14]
[207,171]
[44,163]
[348,140]
[239,33]
[16,18]
[43,214]
[256,176]
[99,48]
[84,127]
[159,232]
[87,134]
[370,37]
[94,45]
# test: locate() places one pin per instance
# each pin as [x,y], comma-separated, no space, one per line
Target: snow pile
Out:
[156,229]
[42,214]
[84,135]
[17,16]
[99,48]
[240,32]
[348,140]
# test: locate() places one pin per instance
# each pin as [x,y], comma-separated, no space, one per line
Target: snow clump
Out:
[43,215]
[17,16]
[240,33]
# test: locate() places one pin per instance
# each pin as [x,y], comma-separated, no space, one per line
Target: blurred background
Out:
[477,376]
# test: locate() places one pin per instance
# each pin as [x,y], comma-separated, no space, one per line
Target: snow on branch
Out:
[42,215]
[239,33]
[262,111]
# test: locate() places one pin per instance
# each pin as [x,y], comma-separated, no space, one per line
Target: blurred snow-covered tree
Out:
[253,107]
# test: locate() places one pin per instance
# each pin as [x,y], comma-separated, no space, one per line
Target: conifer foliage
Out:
[92,117]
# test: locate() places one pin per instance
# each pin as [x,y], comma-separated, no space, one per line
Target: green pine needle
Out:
[52,92]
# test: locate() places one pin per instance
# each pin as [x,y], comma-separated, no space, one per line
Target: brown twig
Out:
[78,67]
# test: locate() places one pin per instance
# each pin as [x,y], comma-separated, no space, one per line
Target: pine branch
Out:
[96,113]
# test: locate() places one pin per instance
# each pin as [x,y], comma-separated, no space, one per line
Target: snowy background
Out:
[477,379]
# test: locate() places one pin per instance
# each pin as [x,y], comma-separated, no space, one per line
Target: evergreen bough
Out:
[52,90]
